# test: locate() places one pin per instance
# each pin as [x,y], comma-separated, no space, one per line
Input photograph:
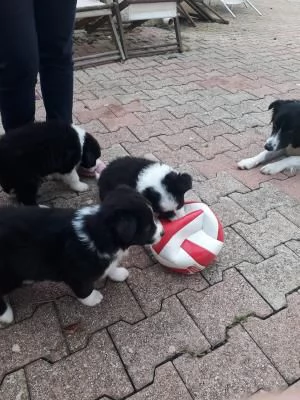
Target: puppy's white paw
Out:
[8,316]
[119,274]
[80,187]
[271,169]
[93,299]
[247,163]
[43,206]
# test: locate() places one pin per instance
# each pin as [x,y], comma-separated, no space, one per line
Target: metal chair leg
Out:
[178,34]
[253,6]
[116,37]
[228,9]
[121,30]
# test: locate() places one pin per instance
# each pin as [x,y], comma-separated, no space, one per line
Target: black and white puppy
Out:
[75,247]
[284,140]
[159,183]
[39,149]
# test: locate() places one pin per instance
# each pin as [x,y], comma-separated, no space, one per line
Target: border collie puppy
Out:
[39,149]
[160,184]
[75,247]
[284,140]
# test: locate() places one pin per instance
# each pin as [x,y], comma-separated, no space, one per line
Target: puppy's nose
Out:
[268,146]
[162,233]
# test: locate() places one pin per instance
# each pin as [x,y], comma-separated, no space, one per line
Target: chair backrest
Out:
[135,10]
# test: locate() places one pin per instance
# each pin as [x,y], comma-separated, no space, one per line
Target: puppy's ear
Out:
[275,105]
[91,151]
[126,227]
[184,182]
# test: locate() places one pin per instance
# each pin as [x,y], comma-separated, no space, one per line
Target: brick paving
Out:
[231,331]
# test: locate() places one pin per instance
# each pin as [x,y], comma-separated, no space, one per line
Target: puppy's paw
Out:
[247,163]
[93,299]
[119,274]
[80,187]
[271,169]
[8,316]
[43,206]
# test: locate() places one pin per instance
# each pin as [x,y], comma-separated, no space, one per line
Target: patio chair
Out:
[95,9]
[228,3]
[138,11]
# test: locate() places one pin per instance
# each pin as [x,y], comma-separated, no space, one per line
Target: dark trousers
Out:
[36,37]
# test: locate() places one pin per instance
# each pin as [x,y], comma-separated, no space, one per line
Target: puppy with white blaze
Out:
[159,183]
[36,150]
[75,247]
[283,142]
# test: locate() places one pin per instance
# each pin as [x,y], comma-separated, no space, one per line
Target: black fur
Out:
[42,244]
[286,120]
[36,150]
[127,170]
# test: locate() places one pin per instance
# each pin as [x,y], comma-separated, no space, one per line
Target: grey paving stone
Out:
[211,190]
[184,155]
[167,385]
[279,338]
[26,299]
[160,284]
[291,213]
[79,322]
[113,152]
[86,375]
[295,246]
[149,130]
[230,212]
[223,304]
[148,343]
[34,338]
[231,372]
[187,137]
[216,129]
[259,202]
[138,257]
[246,121]
[264,235]
[217,146]
[274,278]
[14,387]
[234,251]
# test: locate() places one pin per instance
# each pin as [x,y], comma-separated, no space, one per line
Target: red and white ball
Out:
[191,242]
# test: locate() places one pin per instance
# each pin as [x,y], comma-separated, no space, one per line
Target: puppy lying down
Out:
[284,140]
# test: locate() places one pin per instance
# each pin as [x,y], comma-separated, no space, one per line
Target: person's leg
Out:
[18,63]
[55,22]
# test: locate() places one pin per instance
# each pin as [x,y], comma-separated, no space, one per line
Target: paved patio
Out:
[220,335]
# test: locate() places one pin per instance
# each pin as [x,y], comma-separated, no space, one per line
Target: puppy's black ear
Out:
[184,182]
[275,105]
[126,228]
[91,151]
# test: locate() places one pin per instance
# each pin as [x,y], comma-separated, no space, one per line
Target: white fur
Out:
[152,176]
[78,225]
[73,181]
[81,135]
[273,140]
[290,163]
[93,299]
[114,272]
[158,233]
[8,316]
[118,274]
[264,156]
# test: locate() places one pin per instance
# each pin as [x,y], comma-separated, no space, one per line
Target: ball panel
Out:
[200,254]
[191,242]
[172,228]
